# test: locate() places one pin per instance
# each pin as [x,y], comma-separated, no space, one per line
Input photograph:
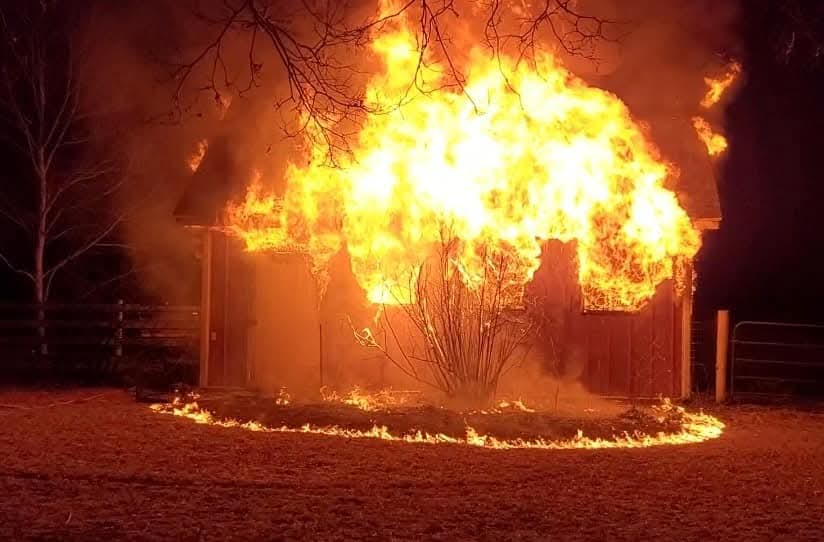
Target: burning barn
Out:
[583,219]
[265,326]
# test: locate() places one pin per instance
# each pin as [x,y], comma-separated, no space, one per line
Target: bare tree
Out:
[797,30]
[320,45]
[462,330]
[59,193]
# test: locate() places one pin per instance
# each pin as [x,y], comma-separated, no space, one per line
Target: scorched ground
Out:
[110,468]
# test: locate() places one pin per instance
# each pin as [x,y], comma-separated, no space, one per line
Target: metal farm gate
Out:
[777,359]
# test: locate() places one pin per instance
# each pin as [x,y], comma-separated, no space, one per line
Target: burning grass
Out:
[509,425]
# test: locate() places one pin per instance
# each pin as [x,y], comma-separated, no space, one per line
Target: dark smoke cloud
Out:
[658,67]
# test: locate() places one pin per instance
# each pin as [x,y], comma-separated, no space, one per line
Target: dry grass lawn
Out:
[109,468]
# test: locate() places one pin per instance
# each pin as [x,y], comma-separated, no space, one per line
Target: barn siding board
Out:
[634,354]
[590,355]
[677,339]
[644,381]
[586,352]
[670,343]
[606,355]
[598,352]
[620,358]
[595,347]
[666,364]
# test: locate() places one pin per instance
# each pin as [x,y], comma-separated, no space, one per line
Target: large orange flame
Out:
[522,154]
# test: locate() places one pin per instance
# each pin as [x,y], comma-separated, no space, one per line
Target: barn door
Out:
[229,313]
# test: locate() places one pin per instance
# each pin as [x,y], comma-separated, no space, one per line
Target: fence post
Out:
[686,335]
[41,330]
[118,334]
[722,340]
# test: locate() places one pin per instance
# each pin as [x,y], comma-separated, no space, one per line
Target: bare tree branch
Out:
[11,266]
[324,99]
[79,251]
[462,328]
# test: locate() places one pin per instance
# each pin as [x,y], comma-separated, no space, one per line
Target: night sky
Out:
[766,261]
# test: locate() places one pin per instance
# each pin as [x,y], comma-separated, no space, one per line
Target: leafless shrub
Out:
[460,334]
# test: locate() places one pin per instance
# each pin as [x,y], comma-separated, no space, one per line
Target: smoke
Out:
[655,60]
[560,394]
[659,66]
[130,65]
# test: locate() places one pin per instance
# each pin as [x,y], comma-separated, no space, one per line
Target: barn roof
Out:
[695,183]
[215,182]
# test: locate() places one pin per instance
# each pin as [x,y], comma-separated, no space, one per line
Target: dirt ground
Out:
[94,464]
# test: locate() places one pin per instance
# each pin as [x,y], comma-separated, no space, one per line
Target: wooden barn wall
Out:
[345,362]
[265,330]
[633,355]
[615,354]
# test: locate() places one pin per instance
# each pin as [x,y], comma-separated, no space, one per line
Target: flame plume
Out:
[715,142]
[717,87]
[197,156]
[522,154]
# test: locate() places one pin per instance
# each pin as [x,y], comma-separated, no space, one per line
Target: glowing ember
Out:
[283,398]
[506,405]
[514,405]
[196,158]
[526,153]
[718,86]
[694,428]
[715,143]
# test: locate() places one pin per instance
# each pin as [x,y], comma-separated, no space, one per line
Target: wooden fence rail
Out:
[96,330]
[110,307]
